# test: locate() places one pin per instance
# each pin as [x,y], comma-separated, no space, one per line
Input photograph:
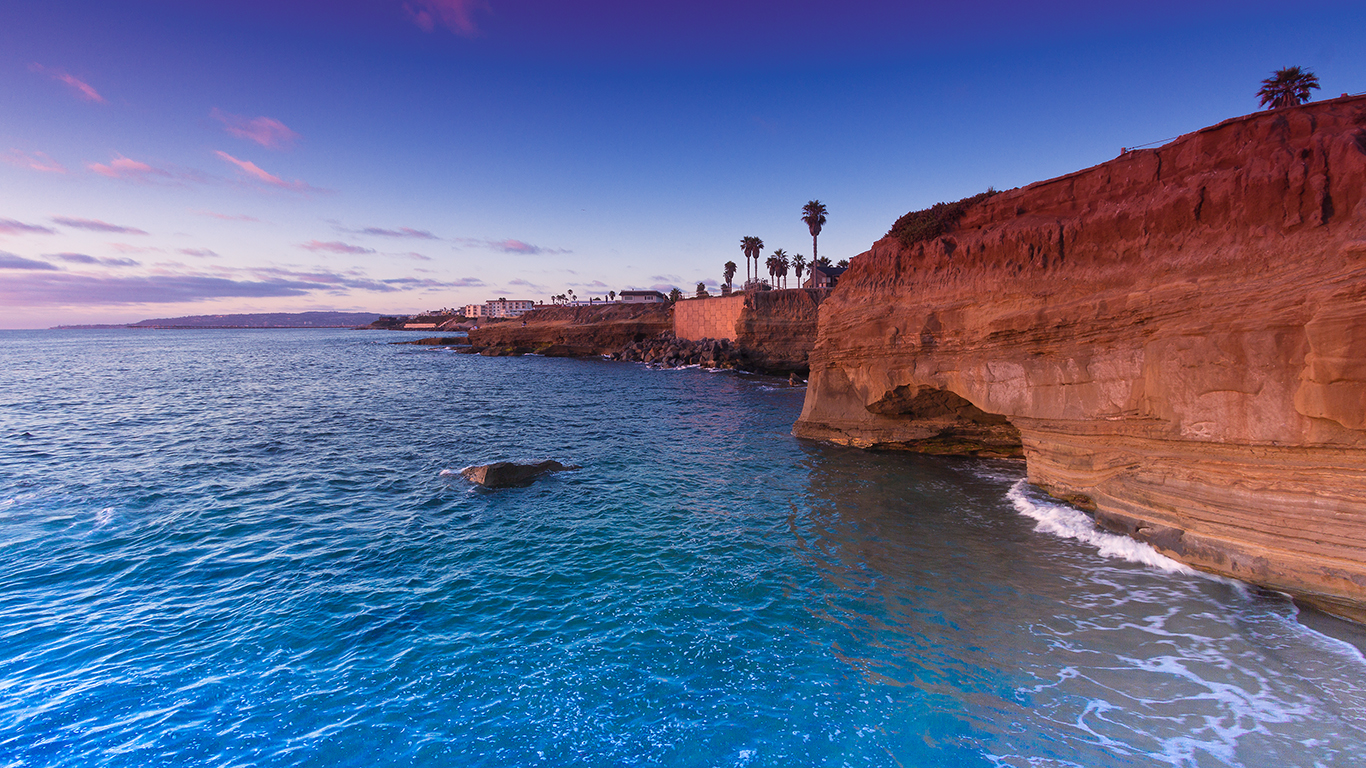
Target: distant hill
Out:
[260,320]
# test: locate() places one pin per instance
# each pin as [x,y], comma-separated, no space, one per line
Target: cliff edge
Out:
[1175,339]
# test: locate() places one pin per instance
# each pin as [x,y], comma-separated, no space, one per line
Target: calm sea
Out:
[248,548]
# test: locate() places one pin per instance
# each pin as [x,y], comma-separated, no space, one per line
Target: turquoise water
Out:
[247,548]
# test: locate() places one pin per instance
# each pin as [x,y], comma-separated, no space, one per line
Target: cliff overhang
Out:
[1175,339]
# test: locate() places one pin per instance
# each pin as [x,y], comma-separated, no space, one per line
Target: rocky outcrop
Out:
[574,331]
[1175,339]
[507,474]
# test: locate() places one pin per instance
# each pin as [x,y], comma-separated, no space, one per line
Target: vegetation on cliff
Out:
[927,224]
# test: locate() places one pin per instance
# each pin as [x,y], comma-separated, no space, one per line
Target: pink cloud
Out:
[82,88]
[255,172]
[12,227]
[226,216]
[95,225]
[203,253]
[455,15]
[334,246]
[37,161]
[266,131]
[126,168]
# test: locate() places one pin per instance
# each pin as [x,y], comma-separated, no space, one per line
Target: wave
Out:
[1070,523]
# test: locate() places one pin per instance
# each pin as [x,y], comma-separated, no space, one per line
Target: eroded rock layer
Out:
[1175,339]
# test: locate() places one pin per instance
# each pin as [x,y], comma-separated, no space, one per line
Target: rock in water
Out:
[508,474]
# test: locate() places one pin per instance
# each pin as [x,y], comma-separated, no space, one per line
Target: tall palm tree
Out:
[752,246]
[799,266]
[729,271]
[813,213]
[1288,87]
[783,264]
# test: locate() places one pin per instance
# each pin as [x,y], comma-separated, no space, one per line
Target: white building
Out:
[642,297]
[499,308]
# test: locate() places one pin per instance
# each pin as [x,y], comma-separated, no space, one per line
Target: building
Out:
[499,308]
[643,297]
[824,277]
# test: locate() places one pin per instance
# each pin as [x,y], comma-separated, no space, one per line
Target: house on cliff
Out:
[824,277]
[643,297]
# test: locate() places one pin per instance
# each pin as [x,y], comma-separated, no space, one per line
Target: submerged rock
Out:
[508,474]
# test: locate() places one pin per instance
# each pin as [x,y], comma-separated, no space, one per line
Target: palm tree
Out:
[1288,87]
[813,213]
[611,295]
[729,271]
[799,266]
[821,262]
[783,264]
[752,246]
[774,263]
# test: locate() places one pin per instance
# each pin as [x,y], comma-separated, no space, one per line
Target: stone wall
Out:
[713,318]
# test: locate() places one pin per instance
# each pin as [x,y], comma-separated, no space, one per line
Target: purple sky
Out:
[172,157]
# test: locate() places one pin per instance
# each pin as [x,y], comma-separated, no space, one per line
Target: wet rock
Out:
[508,474]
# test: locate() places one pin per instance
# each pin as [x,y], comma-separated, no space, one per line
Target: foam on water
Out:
[1071,523]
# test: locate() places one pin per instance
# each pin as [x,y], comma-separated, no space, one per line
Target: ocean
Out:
[253,548]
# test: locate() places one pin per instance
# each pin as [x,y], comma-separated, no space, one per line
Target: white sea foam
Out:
[1070,523]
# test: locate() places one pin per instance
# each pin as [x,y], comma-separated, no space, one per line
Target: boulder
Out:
[508,474]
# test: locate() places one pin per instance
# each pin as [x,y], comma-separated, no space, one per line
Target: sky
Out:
[161,158]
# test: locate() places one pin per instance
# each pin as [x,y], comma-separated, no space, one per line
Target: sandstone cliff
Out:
[575,331]
[1175,339]
[777,329]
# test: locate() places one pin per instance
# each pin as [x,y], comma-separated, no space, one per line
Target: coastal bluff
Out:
[764,331]
[1174,339]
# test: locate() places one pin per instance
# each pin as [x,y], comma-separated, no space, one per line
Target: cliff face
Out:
[1175,339]
[777,329]
[576,331]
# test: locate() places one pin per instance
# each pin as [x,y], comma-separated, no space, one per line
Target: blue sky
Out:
[172,157]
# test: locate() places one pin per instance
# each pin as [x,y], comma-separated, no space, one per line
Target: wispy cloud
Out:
[38,161]
[203,253]
[455,15]
[226,216]
[126,168]
[334,246]
[82,258]
[14,261]
[508,246]
[254,172]
[412,255]
[95,225]
[12,227]
[82,88]
[416,234]
[37,283]
[266,131]
[128,248]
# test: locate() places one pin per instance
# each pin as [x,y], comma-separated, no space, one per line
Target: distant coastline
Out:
[261,320]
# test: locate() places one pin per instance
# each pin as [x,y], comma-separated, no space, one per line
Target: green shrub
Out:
[918,226]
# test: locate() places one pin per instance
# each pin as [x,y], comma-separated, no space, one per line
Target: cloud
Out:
[226,216]
[418,234]
[525,284]
[203,253]
[12,227]
[14,261]
[508,246]
[125,168]
[412,255]
[82,88]
[455,15]
[95,225]
[127,248]
[38,161]
[81,258]
[254,172]
[266,131]
[334,246]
